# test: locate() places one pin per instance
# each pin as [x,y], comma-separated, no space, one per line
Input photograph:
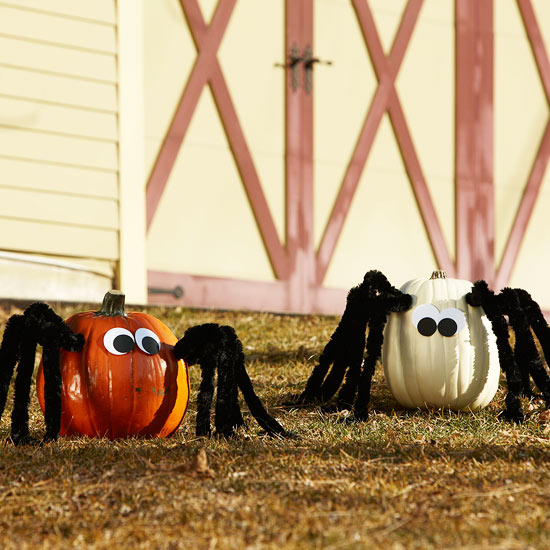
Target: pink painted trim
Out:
[474,141]
[299,161]
[542,157]
[229,293]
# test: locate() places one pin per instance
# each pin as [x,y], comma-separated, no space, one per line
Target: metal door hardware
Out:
[308,61]
[176,292]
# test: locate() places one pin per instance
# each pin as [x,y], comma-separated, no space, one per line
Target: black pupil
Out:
[426,326]
[150,345]
[447,327]
[123,343]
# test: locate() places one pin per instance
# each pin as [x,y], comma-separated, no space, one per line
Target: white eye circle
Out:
[452,321]
[425,318]
[147,341]
[118,341]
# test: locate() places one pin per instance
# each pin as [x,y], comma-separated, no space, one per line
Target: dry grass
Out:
[404,479]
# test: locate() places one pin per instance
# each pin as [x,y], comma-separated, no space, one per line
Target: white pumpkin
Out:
[423,367]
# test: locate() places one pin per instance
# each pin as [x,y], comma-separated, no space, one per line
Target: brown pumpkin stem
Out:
[113,305]
[439,274]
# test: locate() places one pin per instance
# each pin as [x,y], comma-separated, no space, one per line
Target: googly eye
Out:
[147,341]
[425,318]
[118,341]
[452,322]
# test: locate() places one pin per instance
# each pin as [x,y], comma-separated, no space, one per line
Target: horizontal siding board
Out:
[81,152]
[57,30]
[57,208]
[103,11]
[45,238]
[57,59]
[33,115]
[56,178]
[58,89]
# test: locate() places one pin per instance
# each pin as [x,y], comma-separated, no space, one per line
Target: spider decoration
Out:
[133,352]
[441,342]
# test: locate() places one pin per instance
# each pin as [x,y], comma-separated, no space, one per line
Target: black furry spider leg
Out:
[210,344]
[228,411]
[344,349]
[390,300]
[536,320]
[481,296]
[204,398]
[38,325]
[54,335]
[525,350]
[264,419]
[22,390]
[9,355]
[375,341]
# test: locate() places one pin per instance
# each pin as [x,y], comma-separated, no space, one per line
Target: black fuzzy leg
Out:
[22,389]
[527,311]
[52,391]
[9,355]
[525,351]
[204,398]
[228,413]
[213,347]
[264,419]
[375,341]
[344,350]
[480,295]
[40,325]
[53,335]
[385,300]
[536,320]
[236,360]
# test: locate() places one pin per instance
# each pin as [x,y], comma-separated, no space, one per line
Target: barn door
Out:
[229,194]
[288,158]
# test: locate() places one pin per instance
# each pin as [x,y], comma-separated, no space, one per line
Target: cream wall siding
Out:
[59,131]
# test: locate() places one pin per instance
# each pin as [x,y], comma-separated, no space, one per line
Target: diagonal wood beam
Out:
[212,37]
[207,69]
[540,164]
[385,99]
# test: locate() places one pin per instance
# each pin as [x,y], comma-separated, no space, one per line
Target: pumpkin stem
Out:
[113,305]
[439,274]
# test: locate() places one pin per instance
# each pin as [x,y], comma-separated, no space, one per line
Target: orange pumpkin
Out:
[126,381]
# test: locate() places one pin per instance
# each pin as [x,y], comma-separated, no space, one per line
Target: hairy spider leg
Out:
[22,390]
[38,325]
[481,295]
[375,340]
[367,304]
[542,331]
[9,355]
[216,347]
[525,351]
[343,351]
